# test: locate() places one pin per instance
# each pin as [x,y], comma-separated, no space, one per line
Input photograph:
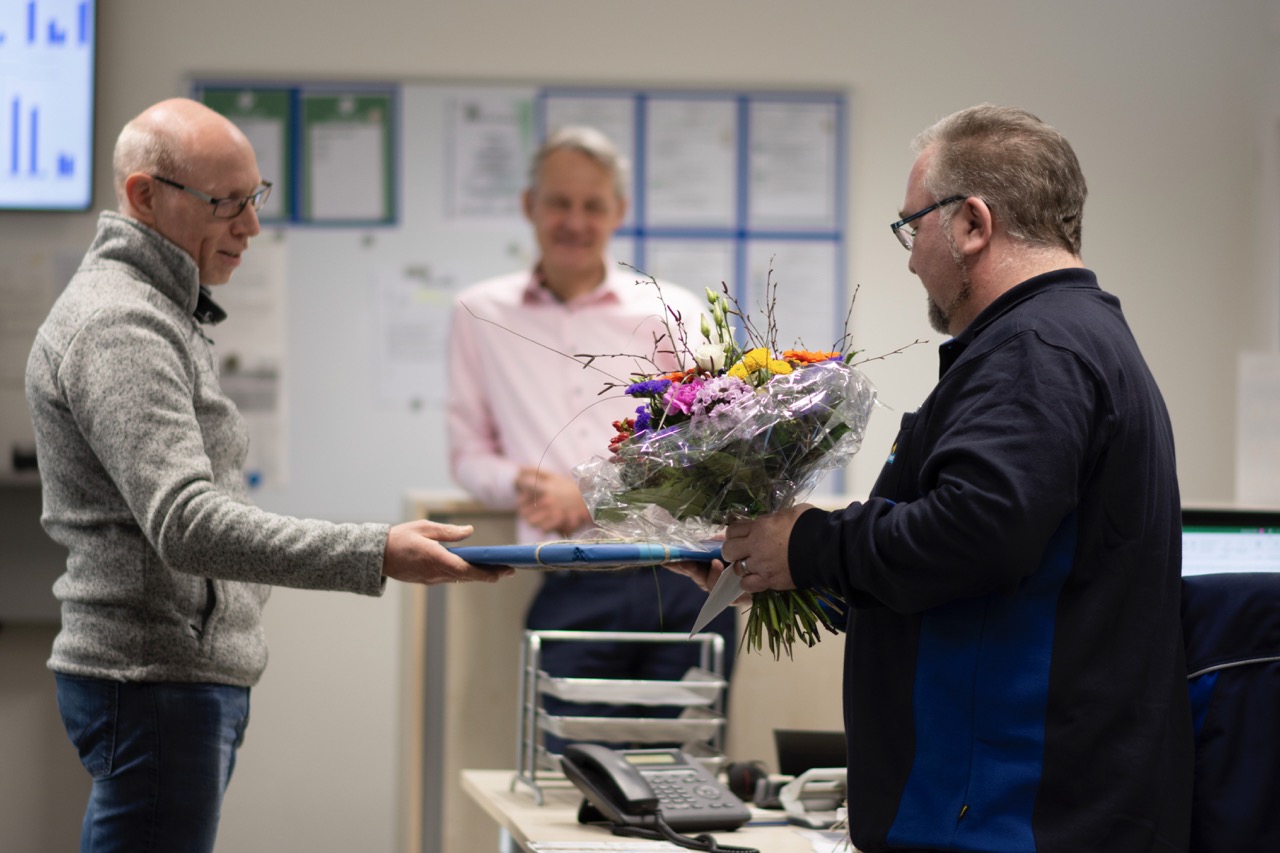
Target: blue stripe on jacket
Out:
[985,793]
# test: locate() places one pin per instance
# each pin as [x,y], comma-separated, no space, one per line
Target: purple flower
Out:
[679,398]
[642,419]
[716,397]
[650,387]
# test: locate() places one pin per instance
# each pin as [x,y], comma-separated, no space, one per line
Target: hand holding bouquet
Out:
[739,433]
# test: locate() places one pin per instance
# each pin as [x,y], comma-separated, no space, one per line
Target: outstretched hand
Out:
[414,555]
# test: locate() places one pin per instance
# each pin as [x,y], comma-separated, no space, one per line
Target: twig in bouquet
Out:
[749,330]
[538,343]
[679,339]
[614,383]
[771,309]
[586,360]
[900,349]
[846,337]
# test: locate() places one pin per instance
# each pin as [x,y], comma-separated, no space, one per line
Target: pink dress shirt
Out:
[514,400]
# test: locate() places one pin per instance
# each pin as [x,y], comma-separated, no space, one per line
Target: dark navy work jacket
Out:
[1014,675]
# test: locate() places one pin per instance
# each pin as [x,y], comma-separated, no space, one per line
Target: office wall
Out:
[1169,104]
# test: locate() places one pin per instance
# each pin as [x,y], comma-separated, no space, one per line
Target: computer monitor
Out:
[801,749]
[1216,541]
[46,104]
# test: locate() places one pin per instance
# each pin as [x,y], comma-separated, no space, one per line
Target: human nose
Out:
[247,222]
[576,218]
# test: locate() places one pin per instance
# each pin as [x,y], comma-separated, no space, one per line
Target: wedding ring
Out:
[743,563]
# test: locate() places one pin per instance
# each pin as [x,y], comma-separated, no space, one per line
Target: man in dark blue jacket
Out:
[1014,676]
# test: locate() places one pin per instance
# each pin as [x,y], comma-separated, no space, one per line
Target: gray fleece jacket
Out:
[141,459]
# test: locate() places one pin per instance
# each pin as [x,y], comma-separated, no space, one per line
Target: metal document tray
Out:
[692,724]
[699,687]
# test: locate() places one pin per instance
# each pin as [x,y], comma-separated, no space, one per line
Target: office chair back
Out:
[1231,630]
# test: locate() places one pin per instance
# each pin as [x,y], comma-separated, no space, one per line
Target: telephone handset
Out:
[642,787]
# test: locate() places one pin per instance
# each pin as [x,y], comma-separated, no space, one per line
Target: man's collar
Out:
[207,311]
[537,290]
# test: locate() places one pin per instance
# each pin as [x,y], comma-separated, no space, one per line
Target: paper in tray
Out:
[698,687]
[582,555]
[692,724]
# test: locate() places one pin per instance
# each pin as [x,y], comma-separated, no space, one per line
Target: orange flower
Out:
[801,356]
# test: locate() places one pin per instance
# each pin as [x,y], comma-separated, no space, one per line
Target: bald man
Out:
[141,459]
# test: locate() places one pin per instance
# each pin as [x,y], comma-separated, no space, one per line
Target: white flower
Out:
[710,357]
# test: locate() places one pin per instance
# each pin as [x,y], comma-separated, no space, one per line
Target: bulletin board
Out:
[389,197]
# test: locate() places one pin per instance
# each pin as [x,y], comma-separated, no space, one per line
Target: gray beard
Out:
[940,318]
[937,317]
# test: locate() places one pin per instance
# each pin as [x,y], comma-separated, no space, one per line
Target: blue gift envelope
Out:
[582,555]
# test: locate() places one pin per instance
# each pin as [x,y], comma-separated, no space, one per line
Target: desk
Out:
[557,819]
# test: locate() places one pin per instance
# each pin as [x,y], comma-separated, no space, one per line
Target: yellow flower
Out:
[758,359]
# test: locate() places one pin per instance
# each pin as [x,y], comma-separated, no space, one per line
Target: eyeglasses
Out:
[907,236]
[226,208]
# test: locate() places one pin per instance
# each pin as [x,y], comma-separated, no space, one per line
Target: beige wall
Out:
[1169,103]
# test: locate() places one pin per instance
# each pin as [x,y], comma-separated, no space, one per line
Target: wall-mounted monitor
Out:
[46,104]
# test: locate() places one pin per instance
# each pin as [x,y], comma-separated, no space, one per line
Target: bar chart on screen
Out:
[46,104]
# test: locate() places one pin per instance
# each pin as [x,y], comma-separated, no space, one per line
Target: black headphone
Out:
[743,776]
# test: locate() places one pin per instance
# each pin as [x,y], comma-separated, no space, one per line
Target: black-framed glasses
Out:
[907,236]
[226,208]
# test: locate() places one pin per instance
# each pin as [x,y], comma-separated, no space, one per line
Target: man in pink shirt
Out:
[521,414]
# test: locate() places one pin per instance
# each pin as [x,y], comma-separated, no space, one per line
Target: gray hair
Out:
[1023,168]
[144,147]
[588,141]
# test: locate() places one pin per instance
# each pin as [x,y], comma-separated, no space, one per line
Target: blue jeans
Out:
[160,754]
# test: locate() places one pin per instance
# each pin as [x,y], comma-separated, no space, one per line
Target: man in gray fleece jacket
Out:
[141,459]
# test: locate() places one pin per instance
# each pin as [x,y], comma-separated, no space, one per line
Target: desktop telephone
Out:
[643,788]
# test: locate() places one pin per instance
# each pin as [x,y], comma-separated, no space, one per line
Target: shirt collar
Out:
[951,350]
[609,290]
[207,311]
[157,260]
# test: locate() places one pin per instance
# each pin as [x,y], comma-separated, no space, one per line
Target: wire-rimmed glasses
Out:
[226,208]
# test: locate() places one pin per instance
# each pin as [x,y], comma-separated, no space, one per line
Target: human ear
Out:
[975,224]
[139,190]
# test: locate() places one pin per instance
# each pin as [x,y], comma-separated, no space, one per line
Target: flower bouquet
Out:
[741,432]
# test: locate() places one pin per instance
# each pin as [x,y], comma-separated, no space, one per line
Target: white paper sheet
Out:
[347,171]
[792,171]
[691,163]
[413,322]
[490,145]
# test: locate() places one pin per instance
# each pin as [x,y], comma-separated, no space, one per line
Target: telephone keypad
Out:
[677,789]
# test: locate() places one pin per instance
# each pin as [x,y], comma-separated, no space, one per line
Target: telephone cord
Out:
[704,843]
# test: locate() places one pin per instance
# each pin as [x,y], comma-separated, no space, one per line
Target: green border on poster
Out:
[347,107]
